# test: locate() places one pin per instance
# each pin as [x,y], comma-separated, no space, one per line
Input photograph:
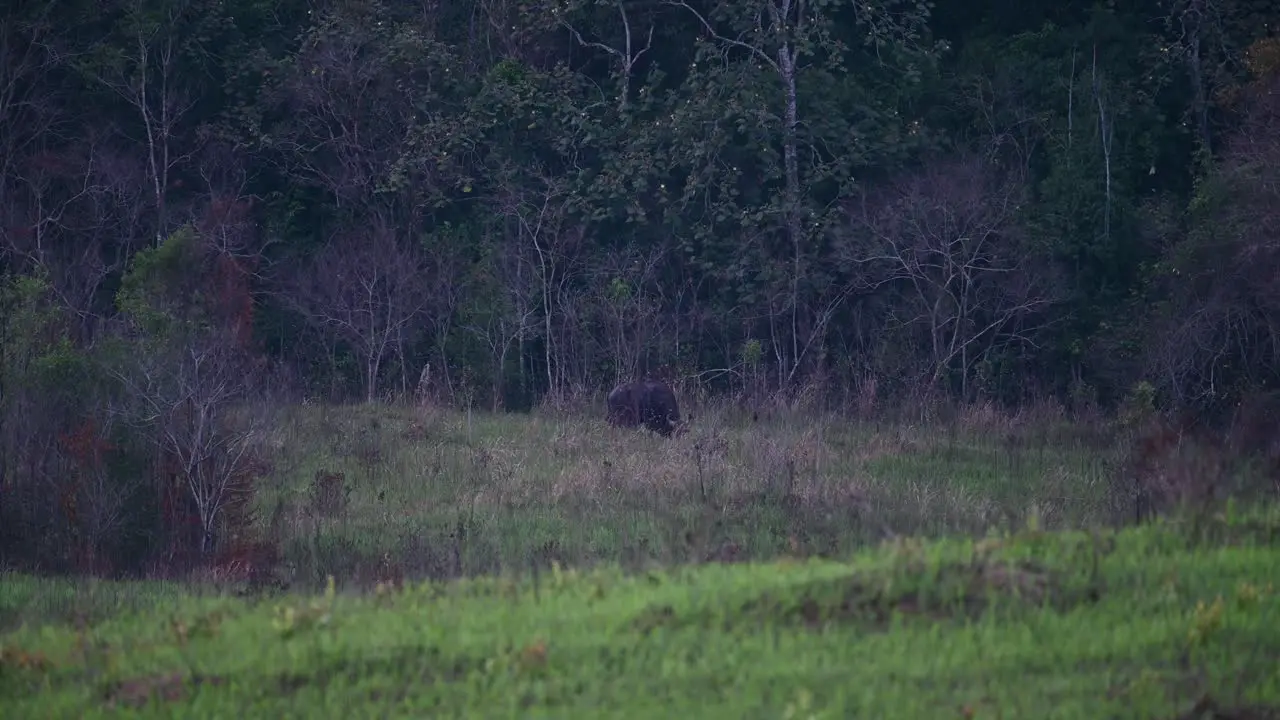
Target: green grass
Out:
[447,494]
[1148,622]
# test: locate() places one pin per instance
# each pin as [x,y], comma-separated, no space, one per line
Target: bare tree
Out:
[499,328]
[627,55]
[809,332]
[202,401]
[448,285]
[147,78]
[50,178]
[948,240]
[1197,34]
[509,312]
[340,116]
[27,111]
[367,288]
[1106,132]
[535,207]
[222,213]
[630,307]
[1008,130]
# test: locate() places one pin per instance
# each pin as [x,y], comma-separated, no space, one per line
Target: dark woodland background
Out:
[211,209]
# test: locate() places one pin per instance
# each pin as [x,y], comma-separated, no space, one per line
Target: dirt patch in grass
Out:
[1207,708]
[949,591]
[415,666]
[170,688]
[419,665]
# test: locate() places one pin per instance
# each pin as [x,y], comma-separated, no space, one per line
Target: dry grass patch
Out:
[517,482]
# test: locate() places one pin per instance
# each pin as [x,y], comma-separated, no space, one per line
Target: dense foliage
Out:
[506,202]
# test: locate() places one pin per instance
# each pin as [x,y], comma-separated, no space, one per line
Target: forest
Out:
[215,210]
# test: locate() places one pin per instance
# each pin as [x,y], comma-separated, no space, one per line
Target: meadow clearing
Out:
[422,492]
[447,564]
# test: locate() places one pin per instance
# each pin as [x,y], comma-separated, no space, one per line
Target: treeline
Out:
[504,202]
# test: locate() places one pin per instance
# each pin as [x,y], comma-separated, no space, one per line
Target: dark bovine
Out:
[645,402]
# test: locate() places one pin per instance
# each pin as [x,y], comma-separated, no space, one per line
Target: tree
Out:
[366,288]
[1218,335]
[502,312]
[28,113]
[948,241]
[203,399]
[155,60]
[536,211]
[625,287]
[626,54]
[776,45]
[360,112]
[189,381]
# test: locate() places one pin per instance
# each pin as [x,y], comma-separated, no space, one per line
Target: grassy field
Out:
[446,564]
[366,493]
[1162,621]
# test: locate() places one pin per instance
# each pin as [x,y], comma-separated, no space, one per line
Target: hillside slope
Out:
[1163,621]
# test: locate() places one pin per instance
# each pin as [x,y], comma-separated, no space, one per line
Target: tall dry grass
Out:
[428,491]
